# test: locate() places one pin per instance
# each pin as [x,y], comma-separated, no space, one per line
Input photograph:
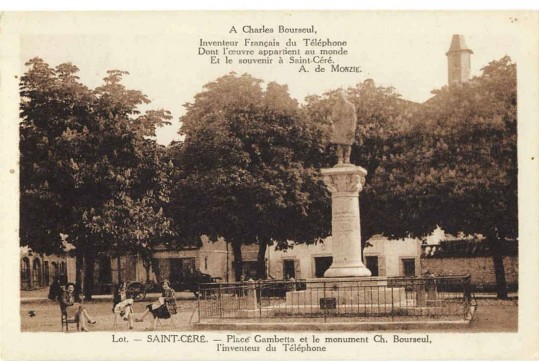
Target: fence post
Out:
[325,305]
[250,294]
[467,295]
[198,302]
[220,302]
[258,296]
[392,304]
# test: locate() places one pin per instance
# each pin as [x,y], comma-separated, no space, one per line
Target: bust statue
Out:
[344,122]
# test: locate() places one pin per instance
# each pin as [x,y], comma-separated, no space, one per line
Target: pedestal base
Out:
[347,296]
[342,272]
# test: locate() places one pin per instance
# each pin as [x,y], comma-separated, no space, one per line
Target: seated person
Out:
[68,305]
[159,309]
[122,304]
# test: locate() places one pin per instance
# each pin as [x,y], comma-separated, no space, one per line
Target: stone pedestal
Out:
[251,299]
[345,181]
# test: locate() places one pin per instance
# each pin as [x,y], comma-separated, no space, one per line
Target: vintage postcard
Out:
[269,185]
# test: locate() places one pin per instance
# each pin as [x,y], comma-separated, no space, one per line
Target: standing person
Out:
[159,308]
[68,305]
[55,291]
[122,304]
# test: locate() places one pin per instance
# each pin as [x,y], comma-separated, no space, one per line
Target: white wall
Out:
[390,254]
[212,258]
[302,254]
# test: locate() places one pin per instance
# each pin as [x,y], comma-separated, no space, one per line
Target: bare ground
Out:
[492,316]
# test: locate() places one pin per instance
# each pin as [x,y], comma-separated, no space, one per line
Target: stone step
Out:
[347,296]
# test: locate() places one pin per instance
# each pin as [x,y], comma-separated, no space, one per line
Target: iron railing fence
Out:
[441,297]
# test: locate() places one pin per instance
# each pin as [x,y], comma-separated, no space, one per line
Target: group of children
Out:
[162,308]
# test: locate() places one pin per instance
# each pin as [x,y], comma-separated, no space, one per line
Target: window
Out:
[63,272]
[408,267]
[36,273]
[289,269]
[25,273]
[372,265]
[321,264]
[205,263]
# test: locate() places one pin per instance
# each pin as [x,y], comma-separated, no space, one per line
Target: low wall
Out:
[481,269]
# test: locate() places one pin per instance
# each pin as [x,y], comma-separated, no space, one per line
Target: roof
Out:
[466,249]
[458,45]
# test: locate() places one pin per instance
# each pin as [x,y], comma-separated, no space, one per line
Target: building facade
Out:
[383,257]
[40,270]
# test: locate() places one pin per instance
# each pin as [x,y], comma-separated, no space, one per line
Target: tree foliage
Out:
[88,166]
[470,170]
[248,169]
[249,173]
[470,152]
[450,162]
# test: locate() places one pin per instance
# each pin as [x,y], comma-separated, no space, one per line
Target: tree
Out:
[85,169]
[469,162]
[248,173]
[451,162]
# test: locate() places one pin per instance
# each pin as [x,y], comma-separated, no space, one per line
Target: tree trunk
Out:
[89,259]
[147,263]
[146,255]
[147,269]
[119,264]
[79,266]
[155,270]
[261,259]
[499,269]
[238,262]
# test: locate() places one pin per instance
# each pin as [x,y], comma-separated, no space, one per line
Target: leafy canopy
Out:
[88,166]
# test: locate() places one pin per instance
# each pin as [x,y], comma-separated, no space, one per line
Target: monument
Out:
[345,181]
[347,287]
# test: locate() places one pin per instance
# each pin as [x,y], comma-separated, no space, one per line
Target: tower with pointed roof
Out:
[458,60]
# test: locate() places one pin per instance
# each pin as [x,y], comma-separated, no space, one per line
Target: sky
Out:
[404,50]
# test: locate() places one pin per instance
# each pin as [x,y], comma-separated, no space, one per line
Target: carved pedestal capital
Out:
[344,179]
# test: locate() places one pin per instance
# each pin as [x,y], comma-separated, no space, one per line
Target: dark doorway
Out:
[54,270]
[321,264]
[36,274]
[249,269]
[180,267]
[25,274]
[408,267]
[289,269]
[105,269]
[63,272]
[46,276]
[372,265]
